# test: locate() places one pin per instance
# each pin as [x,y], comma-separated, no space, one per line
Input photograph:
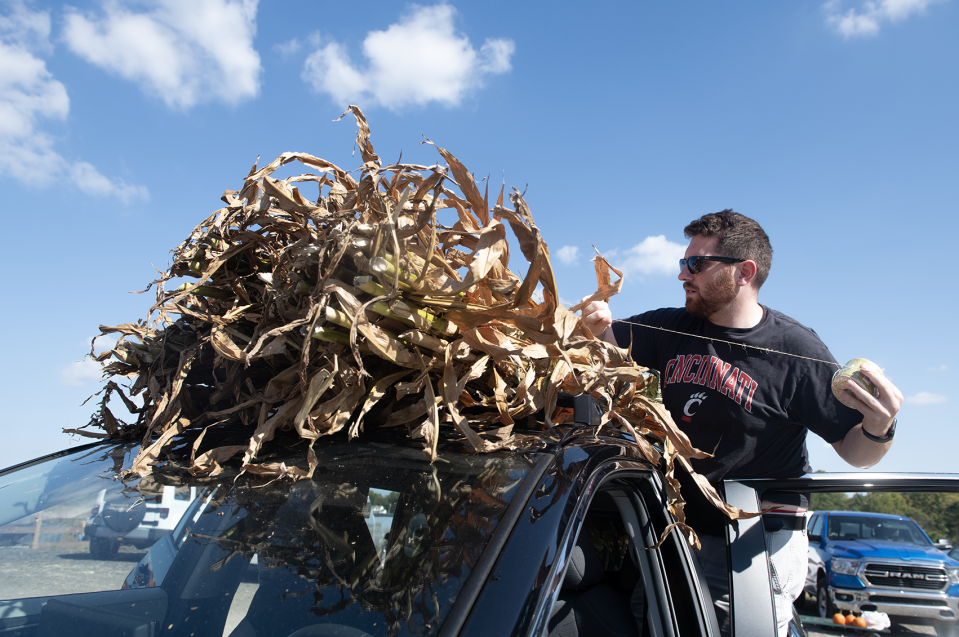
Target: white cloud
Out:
[926,398]
[568,255]
[652,255]
[868,20]
[80,372]
[183,51]
[288,48]
[30,97]
[30,29]
[941,368]
[90,181]
[420,59]
[87,370]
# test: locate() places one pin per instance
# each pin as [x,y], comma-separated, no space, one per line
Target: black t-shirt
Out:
[749,408]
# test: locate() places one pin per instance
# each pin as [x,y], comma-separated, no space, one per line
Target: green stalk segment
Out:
[339,318]
[330,336]
[386,268]
[406,312]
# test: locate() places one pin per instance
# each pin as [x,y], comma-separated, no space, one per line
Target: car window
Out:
[250,556]
[48,550]
[815,525]
[842,527]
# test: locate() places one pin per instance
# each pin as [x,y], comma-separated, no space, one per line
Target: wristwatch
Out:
[889,434]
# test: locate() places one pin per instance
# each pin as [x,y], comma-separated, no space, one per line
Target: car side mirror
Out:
[815,538]
[944,544]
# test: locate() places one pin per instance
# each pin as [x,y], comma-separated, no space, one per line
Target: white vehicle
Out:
[129,517]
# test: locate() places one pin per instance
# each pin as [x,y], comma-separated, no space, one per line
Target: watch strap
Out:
[890,433]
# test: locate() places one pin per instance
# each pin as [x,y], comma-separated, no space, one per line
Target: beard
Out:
[716,295]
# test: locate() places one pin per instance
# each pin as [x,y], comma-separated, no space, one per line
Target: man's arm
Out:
[878,417]
[599,320]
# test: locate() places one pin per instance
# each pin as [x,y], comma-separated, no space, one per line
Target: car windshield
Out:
[380,540]
[842,527]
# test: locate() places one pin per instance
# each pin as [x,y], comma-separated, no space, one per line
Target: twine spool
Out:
[850,374]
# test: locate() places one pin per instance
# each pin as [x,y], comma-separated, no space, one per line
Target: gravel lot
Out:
[69,568]
[61,569]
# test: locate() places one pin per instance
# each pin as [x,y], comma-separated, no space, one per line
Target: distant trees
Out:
[387,501]
[936,513]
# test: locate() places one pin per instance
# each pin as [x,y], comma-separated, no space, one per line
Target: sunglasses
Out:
[695,264]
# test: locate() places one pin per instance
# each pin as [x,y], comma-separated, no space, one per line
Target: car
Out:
[554,537]
[127,516]
[864,561]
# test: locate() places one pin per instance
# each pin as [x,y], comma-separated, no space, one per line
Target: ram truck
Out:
[861,561]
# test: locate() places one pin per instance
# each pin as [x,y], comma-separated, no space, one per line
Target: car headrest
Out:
[585,565]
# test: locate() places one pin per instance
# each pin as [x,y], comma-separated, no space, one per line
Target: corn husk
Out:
[385,301]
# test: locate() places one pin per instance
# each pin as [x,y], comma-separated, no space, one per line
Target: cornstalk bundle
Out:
[361,307]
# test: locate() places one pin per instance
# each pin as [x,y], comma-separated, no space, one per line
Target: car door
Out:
[751,593]
[594,481]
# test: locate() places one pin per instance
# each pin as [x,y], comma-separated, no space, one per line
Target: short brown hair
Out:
[738,236]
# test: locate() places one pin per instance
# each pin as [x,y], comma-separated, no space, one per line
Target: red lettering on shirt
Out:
[729,386]
[704,368]
[718,374]
[689,376]
[744,381]
[678,372]
[752,390]
[667,373]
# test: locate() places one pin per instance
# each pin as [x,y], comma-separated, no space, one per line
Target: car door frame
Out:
[584,467]
[751,600]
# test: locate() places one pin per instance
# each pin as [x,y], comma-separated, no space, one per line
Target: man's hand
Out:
[878,416]
[878,413]
[598,319]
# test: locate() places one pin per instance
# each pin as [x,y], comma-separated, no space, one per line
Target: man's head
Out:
[736,236]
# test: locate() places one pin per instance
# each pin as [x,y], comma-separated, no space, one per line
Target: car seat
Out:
[586,606]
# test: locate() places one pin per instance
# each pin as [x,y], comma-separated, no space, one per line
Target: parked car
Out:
[860,561]
[127,516]
[552,539]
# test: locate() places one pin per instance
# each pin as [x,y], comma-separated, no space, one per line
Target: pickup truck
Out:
[860,561]
[119,517]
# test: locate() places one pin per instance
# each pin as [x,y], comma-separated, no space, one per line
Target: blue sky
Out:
[833,124]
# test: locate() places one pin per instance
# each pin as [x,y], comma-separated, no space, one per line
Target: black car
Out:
[555,539]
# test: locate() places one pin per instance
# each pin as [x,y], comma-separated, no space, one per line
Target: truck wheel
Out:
[102,548]
[824,605]
[122,516]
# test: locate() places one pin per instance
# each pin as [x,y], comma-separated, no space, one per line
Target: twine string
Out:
[719,340]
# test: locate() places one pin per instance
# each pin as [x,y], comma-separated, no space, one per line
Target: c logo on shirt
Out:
[693,402]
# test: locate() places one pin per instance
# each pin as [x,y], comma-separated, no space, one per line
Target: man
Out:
[749,407]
